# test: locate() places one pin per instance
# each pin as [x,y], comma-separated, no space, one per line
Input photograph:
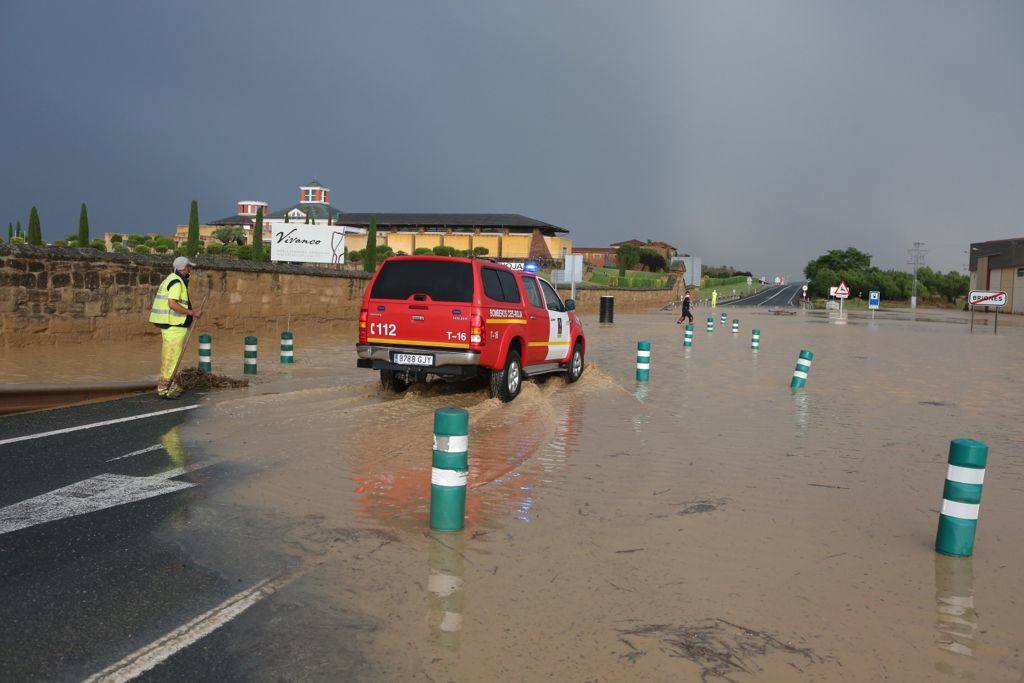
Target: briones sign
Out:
[307,243]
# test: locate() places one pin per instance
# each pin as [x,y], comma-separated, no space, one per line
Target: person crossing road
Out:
[686,314]
[172,312]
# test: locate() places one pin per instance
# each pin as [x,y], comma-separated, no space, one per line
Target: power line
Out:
[915,258]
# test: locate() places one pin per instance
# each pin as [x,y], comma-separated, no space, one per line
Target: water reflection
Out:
[642,389]
[956,619]
[801,410]
[445,587]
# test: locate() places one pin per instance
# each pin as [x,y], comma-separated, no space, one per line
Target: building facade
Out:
[998,265]
[507,236]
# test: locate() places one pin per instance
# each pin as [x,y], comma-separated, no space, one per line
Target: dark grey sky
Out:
[754,133]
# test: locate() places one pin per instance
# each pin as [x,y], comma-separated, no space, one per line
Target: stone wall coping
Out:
[202,261]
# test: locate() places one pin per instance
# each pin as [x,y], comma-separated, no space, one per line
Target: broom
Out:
[188,335]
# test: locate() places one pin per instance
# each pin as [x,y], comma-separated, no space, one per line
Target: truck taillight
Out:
[476,331]
[363,315]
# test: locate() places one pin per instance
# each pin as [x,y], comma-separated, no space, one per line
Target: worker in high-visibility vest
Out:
[714,298]
[173,314]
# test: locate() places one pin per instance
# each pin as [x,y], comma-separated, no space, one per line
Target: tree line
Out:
[854,267]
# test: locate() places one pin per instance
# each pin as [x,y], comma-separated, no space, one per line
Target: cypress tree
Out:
[192,245]
[306,222]
[257,236]
[286,217]
[370,257]
[83,227]
[17,231]
[35,232]
[10,231]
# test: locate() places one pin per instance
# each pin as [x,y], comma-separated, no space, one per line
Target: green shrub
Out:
[142,249]
[121,249]
[17,240]
[160,249]
[60,243]
[355,256]
[445,251]
[116,239]
[136,239]
[215,249]
[98,244]
[244,252]
[423,251]
[481,251]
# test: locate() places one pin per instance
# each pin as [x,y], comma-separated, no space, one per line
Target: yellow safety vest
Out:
[162,313]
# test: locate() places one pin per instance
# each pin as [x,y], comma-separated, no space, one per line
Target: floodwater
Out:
[708,523]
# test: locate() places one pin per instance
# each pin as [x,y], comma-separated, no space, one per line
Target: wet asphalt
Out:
[80,592]
[780,296]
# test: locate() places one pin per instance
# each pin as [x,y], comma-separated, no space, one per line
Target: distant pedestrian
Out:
[686,309]
[173,314]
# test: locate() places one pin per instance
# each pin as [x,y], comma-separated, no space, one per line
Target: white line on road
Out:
[781,290]
[94,424]
[90,495]
[155,447]
[161,649]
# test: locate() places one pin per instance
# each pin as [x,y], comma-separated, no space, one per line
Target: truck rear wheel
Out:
[575,369]
[392,382]
[506,383]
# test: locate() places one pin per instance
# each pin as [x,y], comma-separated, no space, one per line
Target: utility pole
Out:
[915,259]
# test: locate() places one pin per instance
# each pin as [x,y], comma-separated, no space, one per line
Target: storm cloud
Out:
[757,134]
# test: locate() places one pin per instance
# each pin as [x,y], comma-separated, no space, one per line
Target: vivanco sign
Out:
[302,243]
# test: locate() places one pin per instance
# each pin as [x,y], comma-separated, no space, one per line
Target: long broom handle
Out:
[188,336]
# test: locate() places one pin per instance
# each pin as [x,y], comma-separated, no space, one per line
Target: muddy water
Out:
[709,522]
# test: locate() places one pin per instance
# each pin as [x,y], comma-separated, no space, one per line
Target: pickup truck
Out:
[458,318]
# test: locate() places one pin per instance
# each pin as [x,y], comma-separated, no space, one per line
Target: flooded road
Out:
[709,523]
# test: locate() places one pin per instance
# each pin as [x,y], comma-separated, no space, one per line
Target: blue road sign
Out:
[873,299]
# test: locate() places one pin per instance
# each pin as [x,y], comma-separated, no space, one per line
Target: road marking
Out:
[155,447]
[90,495]
[161,649]
[781,290]
[93,425]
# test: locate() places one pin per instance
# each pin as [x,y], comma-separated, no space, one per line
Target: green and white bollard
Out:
[711,323]
[688,336]
[206,353]
[961,497]
[803,366]
[735,326]
[755,339]
[287,347]
[249,368]
[643,361]
[450,469]
[725,318]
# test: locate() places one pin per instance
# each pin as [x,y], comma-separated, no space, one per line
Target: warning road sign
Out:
[842,291]
[978,297]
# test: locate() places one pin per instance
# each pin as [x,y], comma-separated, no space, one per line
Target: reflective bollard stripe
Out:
[449,471]
[725,319]
[287,342]
[643,361]
[688,336]
[711,323]
[206,353]
[735,326]
[961,497]
[803,366]
[755,339]
[249,365]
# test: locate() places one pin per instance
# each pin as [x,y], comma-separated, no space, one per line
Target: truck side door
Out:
[537,323]
[558,320]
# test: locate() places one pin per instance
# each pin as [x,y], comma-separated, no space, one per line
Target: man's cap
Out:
[181,262]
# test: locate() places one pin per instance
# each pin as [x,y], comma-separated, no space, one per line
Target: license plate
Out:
[412,359]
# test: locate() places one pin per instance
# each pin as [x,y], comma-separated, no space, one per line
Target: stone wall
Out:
[51,295]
